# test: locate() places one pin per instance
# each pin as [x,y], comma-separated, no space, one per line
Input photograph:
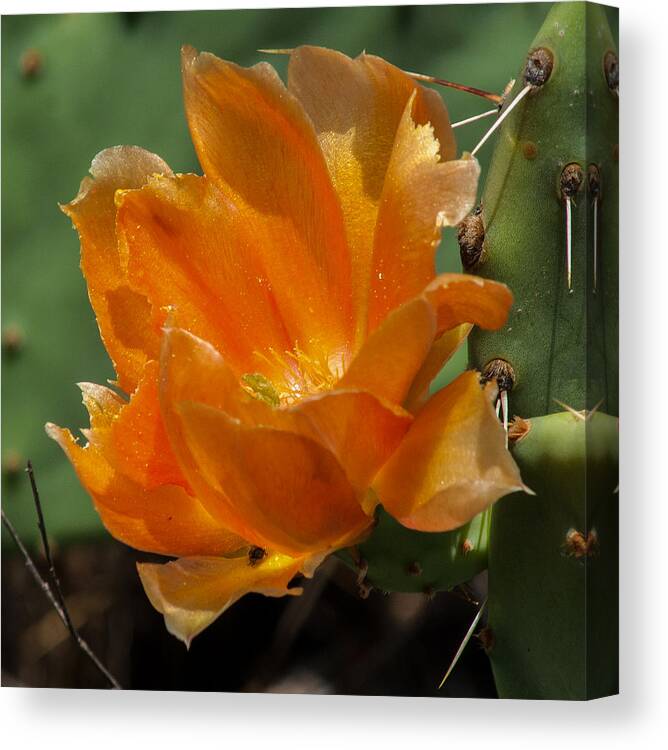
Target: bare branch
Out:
[31,566]
[55,582]
[57,599]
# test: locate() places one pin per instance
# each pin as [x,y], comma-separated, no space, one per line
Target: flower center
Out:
[294,374]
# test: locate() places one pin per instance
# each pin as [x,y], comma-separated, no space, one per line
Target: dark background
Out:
[71,86]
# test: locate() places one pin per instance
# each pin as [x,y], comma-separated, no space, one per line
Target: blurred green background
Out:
[97,80]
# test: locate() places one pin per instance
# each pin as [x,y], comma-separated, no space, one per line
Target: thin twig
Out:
[55,582]
[31,566]
[57,600]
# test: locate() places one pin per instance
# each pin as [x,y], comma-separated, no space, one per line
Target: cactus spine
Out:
[547,227]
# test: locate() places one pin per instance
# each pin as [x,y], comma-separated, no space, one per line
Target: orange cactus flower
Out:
[276,324]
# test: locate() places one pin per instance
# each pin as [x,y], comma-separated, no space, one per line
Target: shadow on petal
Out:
[193,591]
[277,489]
[460,298]
[453,462]
[127,336]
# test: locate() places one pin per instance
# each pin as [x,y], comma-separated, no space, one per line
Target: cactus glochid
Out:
[547,226]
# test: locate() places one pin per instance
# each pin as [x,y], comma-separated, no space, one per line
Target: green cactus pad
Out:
[553,558]
[401,559]
[603,152]
[553,569]
[561,342]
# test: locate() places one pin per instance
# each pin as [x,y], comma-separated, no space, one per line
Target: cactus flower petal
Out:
[459,302]
[215,280]
[255,141]
[360,428]
[257,480]
[442,349]
[193,591]
[121,312]
[166,520]
[459,298]
[421,194]
[410,346]
[366,113]
[392,355]
[249,463]
[452,464]
[138,444]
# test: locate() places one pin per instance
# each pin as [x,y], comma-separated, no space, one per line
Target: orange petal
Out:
[441,350]
[276,489]
[356,427]
[254,140]
[210,271]
[400,358]
[103,406]
[459,298]
[459,301]
[421,194]
[138,444]
[193,591]
[393,354]
[122,313]
[166,520]
[193,370]
[356,106]
[452,464]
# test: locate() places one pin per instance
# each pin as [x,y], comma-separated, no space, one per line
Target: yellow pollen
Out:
[295,374]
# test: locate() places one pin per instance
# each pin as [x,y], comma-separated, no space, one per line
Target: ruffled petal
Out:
[393,354]
[123,314]
[452,464]
[420,195]
[441,350]
[211,274]
[356,106]
[191,369]
[361,431]
[138,445]
[277,489]
[459,301]
[103,406]
[254,140]
[194,591]
[460,298]
[407,350]
[165,520]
